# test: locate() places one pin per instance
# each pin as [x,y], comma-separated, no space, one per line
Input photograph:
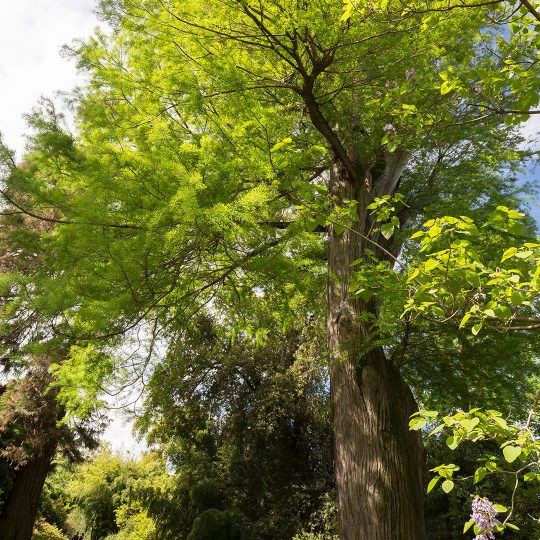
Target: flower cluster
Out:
[390,128]
[410,74]
[483,515]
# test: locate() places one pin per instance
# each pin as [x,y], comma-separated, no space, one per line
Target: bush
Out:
[46,531]
[217,525]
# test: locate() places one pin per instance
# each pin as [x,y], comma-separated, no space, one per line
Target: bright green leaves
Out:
[518,456]
[385,210]
[444,472]
[372,278]
[511,453]
[463,278]
[80,378]
[450,82]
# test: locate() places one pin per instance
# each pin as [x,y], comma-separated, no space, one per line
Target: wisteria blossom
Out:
[484,518]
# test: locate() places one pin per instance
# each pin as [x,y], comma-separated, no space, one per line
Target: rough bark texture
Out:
[20,510]
[379,463]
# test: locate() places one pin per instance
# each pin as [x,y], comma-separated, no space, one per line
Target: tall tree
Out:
[31,431]
[228,157]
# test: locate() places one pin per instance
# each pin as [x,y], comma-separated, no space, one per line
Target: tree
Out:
[227,158]
[30,416]
[247,427]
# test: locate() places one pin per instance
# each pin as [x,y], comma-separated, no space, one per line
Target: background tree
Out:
[245,429]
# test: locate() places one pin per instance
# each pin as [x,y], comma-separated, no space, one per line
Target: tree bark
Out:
[20,510]
[379,463]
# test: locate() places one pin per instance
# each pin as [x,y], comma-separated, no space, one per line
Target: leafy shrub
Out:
[46,531]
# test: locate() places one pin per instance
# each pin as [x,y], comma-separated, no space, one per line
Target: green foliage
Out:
[79,378]
[461,277]
[216,524]
[507,457]
[46,531]
[245,429]
[108,491]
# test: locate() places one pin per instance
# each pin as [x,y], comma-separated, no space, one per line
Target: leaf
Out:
[479,474]
[338,228]
[437,429]
[387,230]
[413,274]
[468,525]
[510,252]
[500,508]
[476,329]
[433,483]
[512,526]
[511,453]
[348,9]
[430,264]
[417,423]
[500,421]
[463,322]
[447,486]
[470,423]
[281,144]
[452,442]
[517,298]
[529,477]
[446,87]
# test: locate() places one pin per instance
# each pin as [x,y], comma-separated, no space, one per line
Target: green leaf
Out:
[387,230]
[500,421]
[479,474]
[452,442]
[476,329]
[281,144]
[469,423]
[417,423]
[468,525]
[511,453]
[433,483]
[413,274]
[447,486]
[517,298]
[500,508]
[446,87]
[338,228]
[510,252]
[466,317]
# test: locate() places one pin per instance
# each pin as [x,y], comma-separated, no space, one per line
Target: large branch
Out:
[323,127]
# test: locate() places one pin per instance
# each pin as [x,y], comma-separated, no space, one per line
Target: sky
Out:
[32,33]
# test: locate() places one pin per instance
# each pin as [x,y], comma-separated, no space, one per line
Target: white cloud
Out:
[32,33]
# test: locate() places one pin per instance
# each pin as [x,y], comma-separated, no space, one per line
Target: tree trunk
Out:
[20,510]
[379,463]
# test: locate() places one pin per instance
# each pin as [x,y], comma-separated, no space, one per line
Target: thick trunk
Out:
[379,463]
[19,512]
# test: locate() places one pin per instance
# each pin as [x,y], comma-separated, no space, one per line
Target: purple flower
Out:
[410,74]
[483,515]
[389,128]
